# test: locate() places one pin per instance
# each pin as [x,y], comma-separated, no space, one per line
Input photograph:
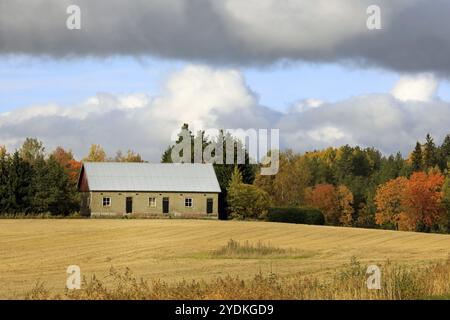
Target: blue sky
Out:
[26,81]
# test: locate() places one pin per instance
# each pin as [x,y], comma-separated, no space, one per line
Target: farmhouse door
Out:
[129,206]
[209,206]
[165,206]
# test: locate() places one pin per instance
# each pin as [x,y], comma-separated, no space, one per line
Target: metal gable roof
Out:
[164,177]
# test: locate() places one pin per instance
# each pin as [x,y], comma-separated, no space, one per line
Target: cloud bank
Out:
[219,98]
[414,37]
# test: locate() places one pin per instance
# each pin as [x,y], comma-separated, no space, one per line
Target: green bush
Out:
[246,201]
[296,215]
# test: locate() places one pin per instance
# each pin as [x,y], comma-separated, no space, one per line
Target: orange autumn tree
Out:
[422,201]
[73,169]
[388,200]
[324,197]
[66,160]
[411,204]
[334,202]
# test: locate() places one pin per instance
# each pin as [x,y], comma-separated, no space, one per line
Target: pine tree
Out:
[417,158]
[18,187]
[52,190]
[167,155]
[444,154]
[446,202]
[361,165]
[404,170]
[63,193]
[429,153]
[40,186]
[343,167]
[4,177]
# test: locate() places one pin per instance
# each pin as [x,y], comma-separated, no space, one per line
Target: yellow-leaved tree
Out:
[96,154]
[345,198]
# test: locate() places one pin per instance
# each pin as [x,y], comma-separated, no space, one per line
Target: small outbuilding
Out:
[148,189]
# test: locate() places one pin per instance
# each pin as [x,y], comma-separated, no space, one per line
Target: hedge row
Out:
[296,215]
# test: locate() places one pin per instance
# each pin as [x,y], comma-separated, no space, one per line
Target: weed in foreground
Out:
[398,283]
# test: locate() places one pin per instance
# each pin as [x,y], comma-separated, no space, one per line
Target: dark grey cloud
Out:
[414,36]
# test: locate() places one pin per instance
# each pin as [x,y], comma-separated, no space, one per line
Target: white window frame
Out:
[187,200]
[106,202]
[152,202]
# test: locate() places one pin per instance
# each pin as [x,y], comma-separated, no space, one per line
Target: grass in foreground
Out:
[398,283]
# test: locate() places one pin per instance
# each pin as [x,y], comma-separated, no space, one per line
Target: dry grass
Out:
[399,283]
[235,250]
[183,250]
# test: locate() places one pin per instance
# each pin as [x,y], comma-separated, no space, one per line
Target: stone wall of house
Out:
[142,205]
[84,204]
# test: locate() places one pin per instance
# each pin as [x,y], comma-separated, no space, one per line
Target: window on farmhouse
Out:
[152,202]
[188,202]
[106,201]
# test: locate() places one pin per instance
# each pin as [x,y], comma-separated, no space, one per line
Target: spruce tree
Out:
[4,177]
[52,191]
[18,187]
[446,202]
[417,158]
[444,154]
[167,155]
[429,153]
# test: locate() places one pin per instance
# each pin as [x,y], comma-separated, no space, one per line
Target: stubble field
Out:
[173,250]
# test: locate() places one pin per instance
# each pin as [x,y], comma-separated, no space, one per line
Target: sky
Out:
[137,70]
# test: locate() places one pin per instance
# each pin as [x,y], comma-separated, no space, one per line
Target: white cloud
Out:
[327,134]
[198,95]
[219,98]
[29,113]
[422,87]
[306,104]
[134,101]
[376,120]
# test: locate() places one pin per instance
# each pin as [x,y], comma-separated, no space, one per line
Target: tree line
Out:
[34,182]
[352,186]
[360,187]
[348,184]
